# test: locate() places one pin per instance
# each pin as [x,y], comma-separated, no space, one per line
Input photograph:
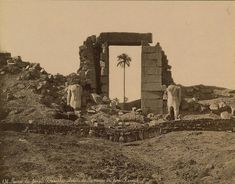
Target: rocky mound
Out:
[31,95]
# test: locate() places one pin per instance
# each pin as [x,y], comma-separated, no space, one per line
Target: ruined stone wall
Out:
[166,71]
[89,70]
[124,134]
[166,78]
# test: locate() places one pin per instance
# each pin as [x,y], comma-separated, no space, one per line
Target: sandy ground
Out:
[174,158]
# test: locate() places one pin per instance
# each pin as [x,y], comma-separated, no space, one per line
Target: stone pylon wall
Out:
[151,79]
[89,71]
[166,71]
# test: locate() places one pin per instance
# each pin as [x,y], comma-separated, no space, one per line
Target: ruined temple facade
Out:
[155,71]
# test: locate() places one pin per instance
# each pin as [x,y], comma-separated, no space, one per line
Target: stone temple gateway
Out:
[155,71]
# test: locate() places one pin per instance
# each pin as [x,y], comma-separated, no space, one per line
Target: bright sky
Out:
[198,37]
[133,73]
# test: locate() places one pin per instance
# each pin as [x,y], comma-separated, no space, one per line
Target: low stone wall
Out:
[123,135]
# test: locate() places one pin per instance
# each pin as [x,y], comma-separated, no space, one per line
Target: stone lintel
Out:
[125,38]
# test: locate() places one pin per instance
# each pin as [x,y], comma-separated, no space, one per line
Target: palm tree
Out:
[123,61]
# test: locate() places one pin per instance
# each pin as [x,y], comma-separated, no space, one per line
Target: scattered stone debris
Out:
[31,121]
[2,72]
[97,98]
[214,107]
[10,96]
[131,116]
[45,101]
[225,115]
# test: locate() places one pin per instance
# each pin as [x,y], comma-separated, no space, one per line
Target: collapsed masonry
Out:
[155,71]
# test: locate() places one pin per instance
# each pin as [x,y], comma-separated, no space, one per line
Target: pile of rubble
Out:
[200,92]
[31,95]
[29,82]
[28,86]
[208,99]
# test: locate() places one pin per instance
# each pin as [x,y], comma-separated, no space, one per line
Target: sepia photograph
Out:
[124,92]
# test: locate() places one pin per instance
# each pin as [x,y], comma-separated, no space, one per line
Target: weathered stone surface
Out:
[222,104]
[166,73]
[152,62]
[103,56]
[4,57]
[104,79]
[21,86]
[149,49]
[151,56]
[104,88]
[206,90]
[153,103]
[152,78]
[152,95]
[113,104]
[106,100]
[10,96]
[225,115]
[105,73]
[214,107]
[132,116]
[152,70]
[153,86]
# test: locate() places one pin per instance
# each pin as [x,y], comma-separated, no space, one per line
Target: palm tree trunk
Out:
[124,87]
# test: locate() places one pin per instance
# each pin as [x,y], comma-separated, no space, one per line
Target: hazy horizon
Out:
[197,37]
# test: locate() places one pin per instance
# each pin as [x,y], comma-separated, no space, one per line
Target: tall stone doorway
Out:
[155,71]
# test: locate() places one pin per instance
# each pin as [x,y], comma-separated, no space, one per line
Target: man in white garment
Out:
[102,67]
[74,95]
[173,99]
